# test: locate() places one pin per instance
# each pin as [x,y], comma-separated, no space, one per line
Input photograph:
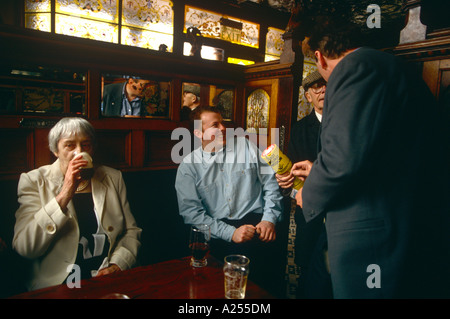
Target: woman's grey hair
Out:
[67,127]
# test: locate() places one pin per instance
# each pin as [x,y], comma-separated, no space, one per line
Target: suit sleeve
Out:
[353,119]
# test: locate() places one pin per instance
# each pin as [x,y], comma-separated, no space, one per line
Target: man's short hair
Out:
[196,114]
[331,36]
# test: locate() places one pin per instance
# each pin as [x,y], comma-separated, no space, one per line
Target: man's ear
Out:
[198,133]
[308,96]
[321,59]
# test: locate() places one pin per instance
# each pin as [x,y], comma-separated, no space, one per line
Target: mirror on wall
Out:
[135,96]
[26,89]
[195,94]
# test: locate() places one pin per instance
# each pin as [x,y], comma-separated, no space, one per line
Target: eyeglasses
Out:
[317,87]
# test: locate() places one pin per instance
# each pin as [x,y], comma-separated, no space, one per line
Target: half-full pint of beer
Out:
[235,271]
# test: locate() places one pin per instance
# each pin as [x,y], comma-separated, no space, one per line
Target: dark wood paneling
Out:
[42,153]
[287,108]
[16,150]
[114,148]
[158,146]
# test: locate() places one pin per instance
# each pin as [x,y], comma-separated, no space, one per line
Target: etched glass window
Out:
[104,10]
[218,26]
[147,24]
[258,104]
[97,20]
[141,23]
[274,44]
[38,15]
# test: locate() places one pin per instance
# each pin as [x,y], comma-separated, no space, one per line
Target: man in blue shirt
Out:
[125,98]
[226,185]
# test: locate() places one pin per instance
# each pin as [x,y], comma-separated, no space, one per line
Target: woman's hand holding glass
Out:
[71,180]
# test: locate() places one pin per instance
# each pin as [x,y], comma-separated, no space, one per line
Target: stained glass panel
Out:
[210,25]
[156,15]
[40,18]
[106,10]
[274,42]
[85,28]
[37,6]
[258,104]
[38,21]
[146,39]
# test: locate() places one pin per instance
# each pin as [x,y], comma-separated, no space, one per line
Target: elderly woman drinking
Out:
[72,216]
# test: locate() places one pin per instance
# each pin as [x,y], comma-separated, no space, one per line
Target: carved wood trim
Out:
[430,49]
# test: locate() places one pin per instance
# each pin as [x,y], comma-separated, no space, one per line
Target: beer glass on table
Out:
[199,244]
[235,270]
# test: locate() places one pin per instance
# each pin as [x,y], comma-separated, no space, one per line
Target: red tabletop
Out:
[174,279]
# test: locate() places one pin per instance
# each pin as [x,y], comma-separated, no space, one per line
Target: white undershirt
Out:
[319,116]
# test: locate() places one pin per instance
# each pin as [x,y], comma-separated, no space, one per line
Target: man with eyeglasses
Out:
[310,237]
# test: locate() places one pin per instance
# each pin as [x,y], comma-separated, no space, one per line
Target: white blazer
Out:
[49,237]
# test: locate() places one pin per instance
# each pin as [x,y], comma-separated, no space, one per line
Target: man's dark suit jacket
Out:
[381,181]
[303,141]
[112,99]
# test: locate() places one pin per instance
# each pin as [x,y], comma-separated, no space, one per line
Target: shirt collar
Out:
[319,116]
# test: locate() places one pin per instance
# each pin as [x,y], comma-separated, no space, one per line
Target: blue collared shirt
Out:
[227,184]
[130,108]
